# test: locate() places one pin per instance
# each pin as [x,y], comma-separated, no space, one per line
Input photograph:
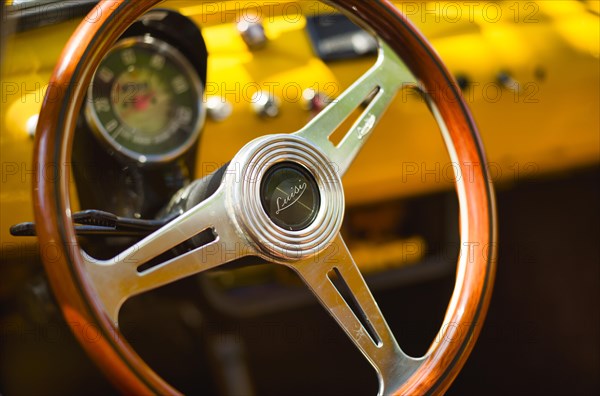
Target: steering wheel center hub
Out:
[290,196]
[286,196]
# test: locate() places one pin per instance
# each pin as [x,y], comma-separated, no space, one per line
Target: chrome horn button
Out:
[285,197]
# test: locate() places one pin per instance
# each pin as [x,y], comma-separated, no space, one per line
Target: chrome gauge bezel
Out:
[175,56]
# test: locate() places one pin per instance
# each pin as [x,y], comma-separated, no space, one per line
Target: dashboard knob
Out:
[253,34]
[314,101]
[218,109]
[265,104]
[31,125]
[507,81]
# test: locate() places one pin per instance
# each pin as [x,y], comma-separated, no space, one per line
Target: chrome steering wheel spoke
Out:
[377,87]
[139,268]
[336,281]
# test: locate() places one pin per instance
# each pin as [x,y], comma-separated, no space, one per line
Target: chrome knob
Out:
[218,109]
[265,104]
[253,34]
[314,101]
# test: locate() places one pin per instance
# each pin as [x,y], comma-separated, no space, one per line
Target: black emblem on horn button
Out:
[290,196]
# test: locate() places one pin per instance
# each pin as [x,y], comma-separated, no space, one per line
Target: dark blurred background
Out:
[541,336]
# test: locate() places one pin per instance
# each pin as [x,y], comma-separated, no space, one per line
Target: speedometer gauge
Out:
[145,100]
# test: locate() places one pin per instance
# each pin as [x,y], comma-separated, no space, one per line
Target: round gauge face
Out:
[145,100]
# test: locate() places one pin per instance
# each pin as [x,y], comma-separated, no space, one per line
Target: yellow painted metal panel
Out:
[551,48]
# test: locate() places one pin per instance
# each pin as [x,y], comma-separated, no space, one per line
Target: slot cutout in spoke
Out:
[345,127]
[343,289]
[198,241]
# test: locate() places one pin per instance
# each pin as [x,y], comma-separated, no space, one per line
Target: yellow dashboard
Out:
[529,70]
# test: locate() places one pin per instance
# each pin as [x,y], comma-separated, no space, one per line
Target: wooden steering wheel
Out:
[91,291]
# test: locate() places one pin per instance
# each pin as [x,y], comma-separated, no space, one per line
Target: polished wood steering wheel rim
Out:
[85,313]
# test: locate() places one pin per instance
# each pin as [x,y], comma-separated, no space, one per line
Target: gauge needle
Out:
[141,102]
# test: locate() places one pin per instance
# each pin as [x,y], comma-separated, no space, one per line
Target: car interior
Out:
[300,197]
